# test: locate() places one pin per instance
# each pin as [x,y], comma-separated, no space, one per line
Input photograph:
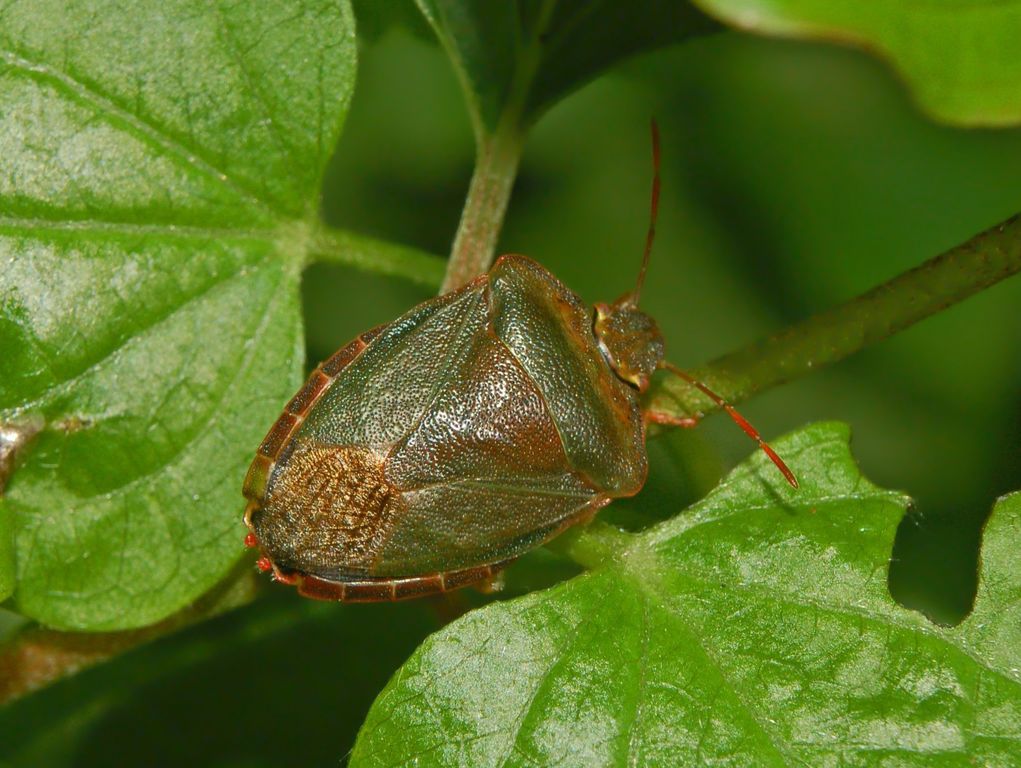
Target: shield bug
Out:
[430,452]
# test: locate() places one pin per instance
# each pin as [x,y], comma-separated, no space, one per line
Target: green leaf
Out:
[585,38]
[158,179]
[958,57]
[515,59]
[756,629]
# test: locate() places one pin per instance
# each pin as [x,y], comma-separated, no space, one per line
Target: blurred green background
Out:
[794,177]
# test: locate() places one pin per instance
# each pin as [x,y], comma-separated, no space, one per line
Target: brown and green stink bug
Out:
[430,452]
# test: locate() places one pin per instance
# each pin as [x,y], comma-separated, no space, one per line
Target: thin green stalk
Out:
[372,255]
[498,154]
[496,166]
[592,545]
[837,333]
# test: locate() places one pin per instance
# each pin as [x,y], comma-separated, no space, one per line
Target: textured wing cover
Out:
[439,448]
[549,331]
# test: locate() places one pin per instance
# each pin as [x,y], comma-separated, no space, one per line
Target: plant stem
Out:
[496,165]
[498,152]
[592,545]
[370,254]
[837,333]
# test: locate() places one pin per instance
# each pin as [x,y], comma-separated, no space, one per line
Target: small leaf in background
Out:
[156,189]
[521,57]
[959,58]
[755,628]
[585,39]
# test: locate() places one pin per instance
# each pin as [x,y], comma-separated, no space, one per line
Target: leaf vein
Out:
[144,129]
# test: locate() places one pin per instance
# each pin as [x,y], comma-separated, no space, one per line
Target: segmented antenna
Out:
[653,214]
[740,420]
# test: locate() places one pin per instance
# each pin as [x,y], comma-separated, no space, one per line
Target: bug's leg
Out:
[670,420]
[492,584]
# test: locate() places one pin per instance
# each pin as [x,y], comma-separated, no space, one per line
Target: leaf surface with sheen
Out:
[754,629]
[157,187]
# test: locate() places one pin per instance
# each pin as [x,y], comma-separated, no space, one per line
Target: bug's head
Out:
[633,346]
[629,340]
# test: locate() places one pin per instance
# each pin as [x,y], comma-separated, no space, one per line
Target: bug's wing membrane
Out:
[549,331]
[484,476]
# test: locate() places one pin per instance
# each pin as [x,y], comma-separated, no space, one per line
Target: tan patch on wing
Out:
[329,510]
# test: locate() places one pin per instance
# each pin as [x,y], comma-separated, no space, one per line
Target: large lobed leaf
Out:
[157,177]
[755,629]
[959,57]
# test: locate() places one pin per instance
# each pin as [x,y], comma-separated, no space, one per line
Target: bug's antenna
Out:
[740,420]
[654,213]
